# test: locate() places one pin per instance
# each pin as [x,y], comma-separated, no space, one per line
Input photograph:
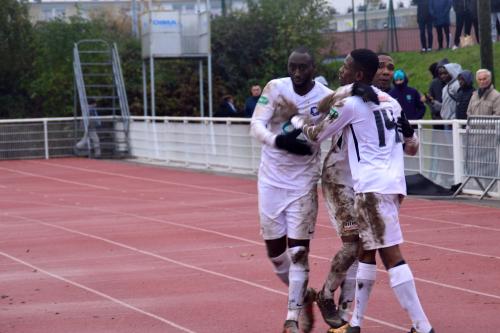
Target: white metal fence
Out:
[221,144]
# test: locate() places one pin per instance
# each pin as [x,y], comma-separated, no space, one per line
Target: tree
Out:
[51,90]
[16,56]
[255,45]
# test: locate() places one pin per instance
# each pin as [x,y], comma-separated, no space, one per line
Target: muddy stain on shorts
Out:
[371,224]
[340,202]
[309,211]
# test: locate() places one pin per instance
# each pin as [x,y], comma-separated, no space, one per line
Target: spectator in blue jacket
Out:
[408,98]
[440,11]
[251,101]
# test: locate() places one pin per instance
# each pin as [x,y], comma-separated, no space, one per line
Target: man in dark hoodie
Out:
[435,91]
[464,93]
[407,97]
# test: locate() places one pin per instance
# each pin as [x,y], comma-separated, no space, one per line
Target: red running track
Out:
[105,246]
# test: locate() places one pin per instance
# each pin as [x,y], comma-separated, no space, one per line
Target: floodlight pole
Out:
[366,24]
[209,64]
[353,26]
[486,47]
[135,30]
[200,69]
[144,89]
[151,60]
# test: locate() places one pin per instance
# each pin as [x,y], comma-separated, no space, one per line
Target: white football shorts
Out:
[287,212]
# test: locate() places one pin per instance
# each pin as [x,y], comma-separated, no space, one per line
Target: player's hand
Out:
[297,122]
[365,91]
[291,144]
[405,126]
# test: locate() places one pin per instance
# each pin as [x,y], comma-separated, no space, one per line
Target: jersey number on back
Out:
[384,122]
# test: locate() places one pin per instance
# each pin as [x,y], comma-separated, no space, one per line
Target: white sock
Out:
[298,277]
[348,291]
[403,284]
[365,279]
[282,266]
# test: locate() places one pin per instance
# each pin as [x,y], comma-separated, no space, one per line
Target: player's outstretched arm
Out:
[411,141]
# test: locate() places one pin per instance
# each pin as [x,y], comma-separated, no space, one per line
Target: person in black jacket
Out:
[227,108]
[440,11]
[464,93]
[495,16]
[463,18]
[435,91]
[424,19]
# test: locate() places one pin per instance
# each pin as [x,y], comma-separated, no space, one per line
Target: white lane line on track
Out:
[453,250]
[55,179]
[445,285]
[225,235]
[163,258]
[183,225]
[449,222]
[96,292]
[143,178]
[238,192]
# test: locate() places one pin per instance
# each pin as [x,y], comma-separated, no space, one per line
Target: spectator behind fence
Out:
[424,19]
[407,97]
[440,11]
[435,92]
[251,101]
[450,90]
[495,16]
[227,107]
[485,101]
[463,17]
[473,10]
[464,93]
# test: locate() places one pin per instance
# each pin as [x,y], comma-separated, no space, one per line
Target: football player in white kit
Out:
[375,152]
[288,176]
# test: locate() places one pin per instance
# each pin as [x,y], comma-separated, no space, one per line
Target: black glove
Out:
[405,126]
[291,144]
[364,91]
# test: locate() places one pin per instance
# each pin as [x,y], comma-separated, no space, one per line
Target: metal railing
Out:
[224,144]
[482,152]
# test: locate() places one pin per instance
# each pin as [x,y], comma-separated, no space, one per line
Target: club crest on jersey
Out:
[314,111]
[333,114]
[263,100]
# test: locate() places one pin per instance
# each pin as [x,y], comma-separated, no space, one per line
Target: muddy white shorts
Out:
[340,206]
[378,219]
[287,212]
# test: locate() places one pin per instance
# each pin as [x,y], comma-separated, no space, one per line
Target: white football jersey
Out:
[375,147]
[277,104]
[336,168]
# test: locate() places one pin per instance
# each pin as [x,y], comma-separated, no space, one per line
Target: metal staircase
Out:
[102,125]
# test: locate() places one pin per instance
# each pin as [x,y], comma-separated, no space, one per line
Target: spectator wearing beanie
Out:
[408,97]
